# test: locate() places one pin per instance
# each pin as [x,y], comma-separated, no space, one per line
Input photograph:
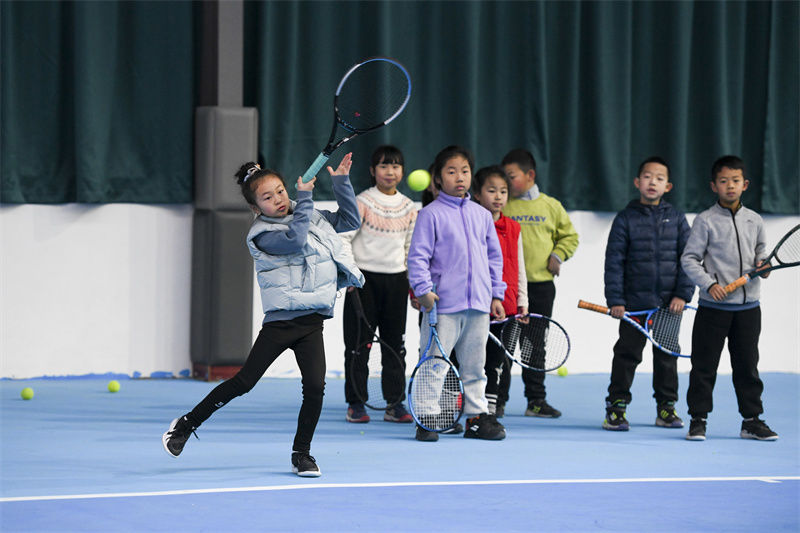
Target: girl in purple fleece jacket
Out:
[455,248]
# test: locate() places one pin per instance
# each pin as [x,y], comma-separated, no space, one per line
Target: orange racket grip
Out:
[593,307]
[732,286]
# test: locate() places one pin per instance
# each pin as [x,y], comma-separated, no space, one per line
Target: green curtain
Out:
[590,88]
[97,102]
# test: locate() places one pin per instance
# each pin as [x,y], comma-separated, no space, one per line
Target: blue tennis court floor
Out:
[77,458]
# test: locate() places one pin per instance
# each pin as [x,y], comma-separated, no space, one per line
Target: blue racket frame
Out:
[433,340]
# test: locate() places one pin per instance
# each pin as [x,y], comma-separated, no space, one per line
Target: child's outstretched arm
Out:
[347,217]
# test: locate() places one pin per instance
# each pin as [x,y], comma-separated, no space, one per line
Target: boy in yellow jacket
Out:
[548,239]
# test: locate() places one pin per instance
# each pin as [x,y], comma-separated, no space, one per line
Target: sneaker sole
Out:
[311,473]
[660,423]
[402,420]
[539,415]
[165,436]
[363,420]
[609,427]
[696,437]
[474,436]
[747,435]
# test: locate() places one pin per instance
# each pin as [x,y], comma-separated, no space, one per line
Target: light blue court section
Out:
[102,452]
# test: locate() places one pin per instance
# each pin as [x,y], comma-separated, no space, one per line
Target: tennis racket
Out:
[538,343]
[375,388]
[786,253]
[435,390]
[669,332]
[371,95]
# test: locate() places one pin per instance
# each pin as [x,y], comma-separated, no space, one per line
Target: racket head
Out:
[370,383]
[372,94]
[535,342]
[436,394]
[671,332]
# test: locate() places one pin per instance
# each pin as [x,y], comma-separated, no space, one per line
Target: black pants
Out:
[628,355]
[711,328]
[303,335]
[541,295]
[498,369]
[385,301]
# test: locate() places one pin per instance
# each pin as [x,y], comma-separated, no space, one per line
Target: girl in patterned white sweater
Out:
[380,248]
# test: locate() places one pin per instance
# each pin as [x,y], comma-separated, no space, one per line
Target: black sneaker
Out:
[755,428]
[542,409]
[304,465]
[398,414]
[174,439]
[615,416]
[424,435]
[697,429]
[455,430]
[356,413]
[666,417]
[484,426]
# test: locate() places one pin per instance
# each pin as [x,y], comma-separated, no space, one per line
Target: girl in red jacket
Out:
[491,187]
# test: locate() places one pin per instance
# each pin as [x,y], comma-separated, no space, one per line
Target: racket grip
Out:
[433,318]
[593,307]
[315,167]
[732,286]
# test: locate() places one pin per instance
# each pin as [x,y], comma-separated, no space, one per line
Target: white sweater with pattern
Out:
[387,223]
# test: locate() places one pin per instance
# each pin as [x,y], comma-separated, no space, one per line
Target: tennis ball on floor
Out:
[113,386]
[562,371]
[27,393]
[419,180]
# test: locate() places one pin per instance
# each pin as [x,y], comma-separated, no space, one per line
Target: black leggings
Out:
[303,335]
[384,298]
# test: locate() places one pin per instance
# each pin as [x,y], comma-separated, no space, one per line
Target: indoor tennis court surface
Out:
[77,458]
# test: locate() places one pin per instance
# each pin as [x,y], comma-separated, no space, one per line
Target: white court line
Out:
[765,479]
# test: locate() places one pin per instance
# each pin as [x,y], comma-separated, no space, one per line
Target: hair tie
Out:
[252,170]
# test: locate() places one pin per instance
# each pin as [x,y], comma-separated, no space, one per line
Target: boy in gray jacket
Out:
[726,241]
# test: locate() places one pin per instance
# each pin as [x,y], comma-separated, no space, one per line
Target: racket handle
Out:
[732,286]
[433,318]
[315,167]
[593,307]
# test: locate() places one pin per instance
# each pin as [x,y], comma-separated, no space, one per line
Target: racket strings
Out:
[541,345]
[789,252]
[436,394]
[666,329]
[372,93]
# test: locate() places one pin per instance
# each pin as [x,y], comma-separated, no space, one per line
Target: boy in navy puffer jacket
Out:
[643,271]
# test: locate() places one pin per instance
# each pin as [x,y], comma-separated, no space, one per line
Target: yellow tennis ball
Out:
[419,180]
[27,393]
[562,371]
[113,386]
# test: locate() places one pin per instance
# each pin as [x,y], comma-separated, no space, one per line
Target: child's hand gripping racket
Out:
[786,253]
[370,360]
[371,95]
[435,391]
[669,332]
[533,341]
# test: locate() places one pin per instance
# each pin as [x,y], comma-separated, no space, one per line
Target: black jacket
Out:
[642,268]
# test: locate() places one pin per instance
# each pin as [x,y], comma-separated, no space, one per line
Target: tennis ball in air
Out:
[27,393]
[113,386]
[419,180]
[562,371]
